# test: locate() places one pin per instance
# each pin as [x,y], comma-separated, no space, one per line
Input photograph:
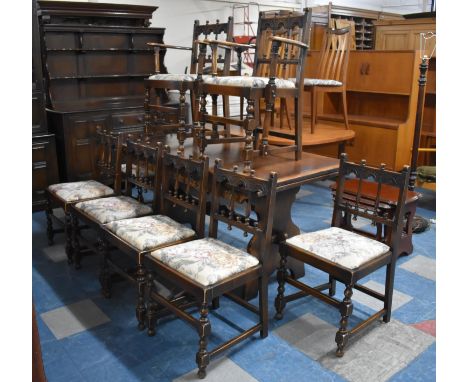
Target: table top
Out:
[291,173]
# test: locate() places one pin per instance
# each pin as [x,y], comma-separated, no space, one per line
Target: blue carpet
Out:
[117,351]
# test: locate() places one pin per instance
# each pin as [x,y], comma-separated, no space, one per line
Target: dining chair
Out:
[269,82]
[348,256]
[142,164]
[209,268]
[331,73]
[181,210]
[63,195]
[164,118]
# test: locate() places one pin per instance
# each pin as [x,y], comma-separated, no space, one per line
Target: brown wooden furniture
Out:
[361,20]
[347,256]
[142,161]
[227,267]
[275,85]
[382,93]
[404,35]
[44,157]
[156,85]
[38,373]
[95,58]
[63,195]
[389,203]
[182,199]
[291,175]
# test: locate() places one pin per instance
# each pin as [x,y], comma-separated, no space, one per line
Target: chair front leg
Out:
[104,274]
[50,226]
[263,305]
[151,305]
[141,307]
[390,276]
[75,243]
[68,238]
[204,330]
[280,303]
[346,309]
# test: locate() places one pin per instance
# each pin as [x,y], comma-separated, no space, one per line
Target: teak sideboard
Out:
[382,93]
[95,59]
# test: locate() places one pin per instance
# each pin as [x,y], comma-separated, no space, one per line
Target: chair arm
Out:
[166,46]
[289,41]
[228,44]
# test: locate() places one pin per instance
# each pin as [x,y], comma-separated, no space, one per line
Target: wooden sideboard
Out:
[95,59]
[382,94]
[405,35]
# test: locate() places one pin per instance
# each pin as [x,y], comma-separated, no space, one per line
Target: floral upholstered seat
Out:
[206,261]
[339,246]
[150,232]
[113,208]
[318,82]
[74,191]
[177,77]
[249,82]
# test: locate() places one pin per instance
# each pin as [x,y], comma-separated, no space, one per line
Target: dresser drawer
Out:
[124,121]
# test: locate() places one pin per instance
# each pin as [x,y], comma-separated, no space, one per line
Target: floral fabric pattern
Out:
[150,232]
[249,82]
[206,261]
[74,191]
[339,246]
[114,208]
[319,82]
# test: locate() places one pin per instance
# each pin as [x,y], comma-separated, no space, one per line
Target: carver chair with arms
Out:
[160,116]
[208,268]
[347,256]
[269,81]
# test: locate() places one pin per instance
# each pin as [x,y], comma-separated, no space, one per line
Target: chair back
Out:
[334,55]
[217,31]
[184,189]
[233,199]
[282,60]
[143,168]
[109,154]
[353,205]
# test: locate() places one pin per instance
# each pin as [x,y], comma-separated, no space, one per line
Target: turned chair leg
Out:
[151,306]
[104,275]
[332,288]
[75,243]
[141,307]
[68,238]
[390,276]
[263,305]
[280,303]
[50,227]
[204,330]
[346,309]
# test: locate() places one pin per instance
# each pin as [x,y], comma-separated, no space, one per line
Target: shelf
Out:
[366,120]
[100,76]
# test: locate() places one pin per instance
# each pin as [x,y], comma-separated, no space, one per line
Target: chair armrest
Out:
[166,46]
[228,44]
[289,41]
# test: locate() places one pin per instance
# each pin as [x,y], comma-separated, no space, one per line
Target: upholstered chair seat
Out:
[113,208]
[318,82]
[249,82]
[74,191]
[206,261]
[149,232]
[177,77]
[340,246]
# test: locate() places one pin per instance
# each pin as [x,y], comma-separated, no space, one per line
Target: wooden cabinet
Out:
[361,22]
[44,158]
[405,34]
[44,168]
[382,94]
[95,59]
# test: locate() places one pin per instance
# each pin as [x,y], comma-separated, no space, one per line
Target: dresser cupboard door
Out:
[81,150]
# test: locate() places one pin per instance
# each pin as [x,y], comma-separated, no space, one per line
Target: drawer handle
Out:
[38,147]
[39,165]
